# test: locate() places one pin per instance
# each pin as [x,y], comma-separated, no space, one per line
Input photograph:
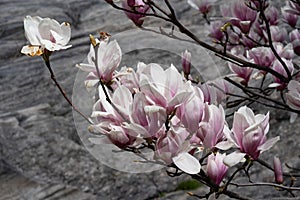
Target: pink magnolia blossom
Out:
[204,6]
[277,34]
[172,146]
[45,33]
[211,127]
[278,170]
[286,52]
[240,15]
[272,14]
[295,39]
[190,113]
[215,31]
[262,56]
[147,119]
[289,18]
[108,59]
[277,66]
[292,8]
[215,91]
[216,169]
[243,73]
[138,6]
[249,134]
[110,121]
[293,95]
[165,88]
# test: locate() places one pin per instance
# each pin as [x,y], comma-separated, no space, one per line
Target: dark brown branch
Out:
[47,62]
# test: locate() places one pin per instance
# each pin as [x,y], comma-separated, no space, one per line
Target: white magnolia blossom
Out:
[45,33]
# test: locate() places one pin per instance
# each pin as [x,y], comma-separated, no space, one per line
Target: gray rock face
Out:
[41,155]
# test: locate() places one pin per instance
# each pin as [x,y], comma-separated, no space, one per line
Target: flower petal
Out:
[187,163]
[233,158]
[268,144]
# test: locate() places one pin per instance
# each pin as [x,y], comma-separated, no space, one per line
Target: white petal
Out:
[187,163]
[268,144]
[65,33]
[31,29]
[233,158]
[86,67]
[224,145]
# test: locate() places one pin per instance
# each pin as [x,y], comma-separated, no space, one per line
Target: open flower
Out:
[107,59]
[45,33]
[165,88]
[111,120]
[173,147]
[239,15]
[249,134]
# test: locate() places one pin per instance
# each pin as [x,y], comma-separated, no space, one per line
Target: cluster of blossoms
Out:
[244,32]
[162,108]
[167,111]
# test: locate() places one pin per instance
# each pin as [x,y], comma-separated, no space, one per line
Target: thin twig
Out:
[47,62]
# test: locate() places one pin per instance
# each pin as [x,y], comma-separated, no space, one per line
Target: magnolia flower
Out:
[278,170]
[215,31]
[138,6]
[147,119]
[204,6]
[272,15]
[262,56]
[172,147]
[249,134]
[190,113]
[243,73]
[216,169]
[293,95]
[295,39]
[277,66]
[111,120]
[45,33]
[289,18]
[215,92]
[211,127]
[165,88]
[292,7]
[107,59]
[277,34]
[240,15]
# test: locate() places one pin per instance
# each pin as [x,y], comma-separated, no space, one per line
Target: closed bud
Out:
[186,62]
[278,170]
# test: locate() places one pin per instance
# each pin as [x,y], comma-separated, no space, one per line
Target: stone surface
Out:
[41,155]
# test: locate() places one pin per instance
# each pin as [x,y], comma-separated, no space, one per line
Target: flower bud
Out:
[186,62]
[278,170]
